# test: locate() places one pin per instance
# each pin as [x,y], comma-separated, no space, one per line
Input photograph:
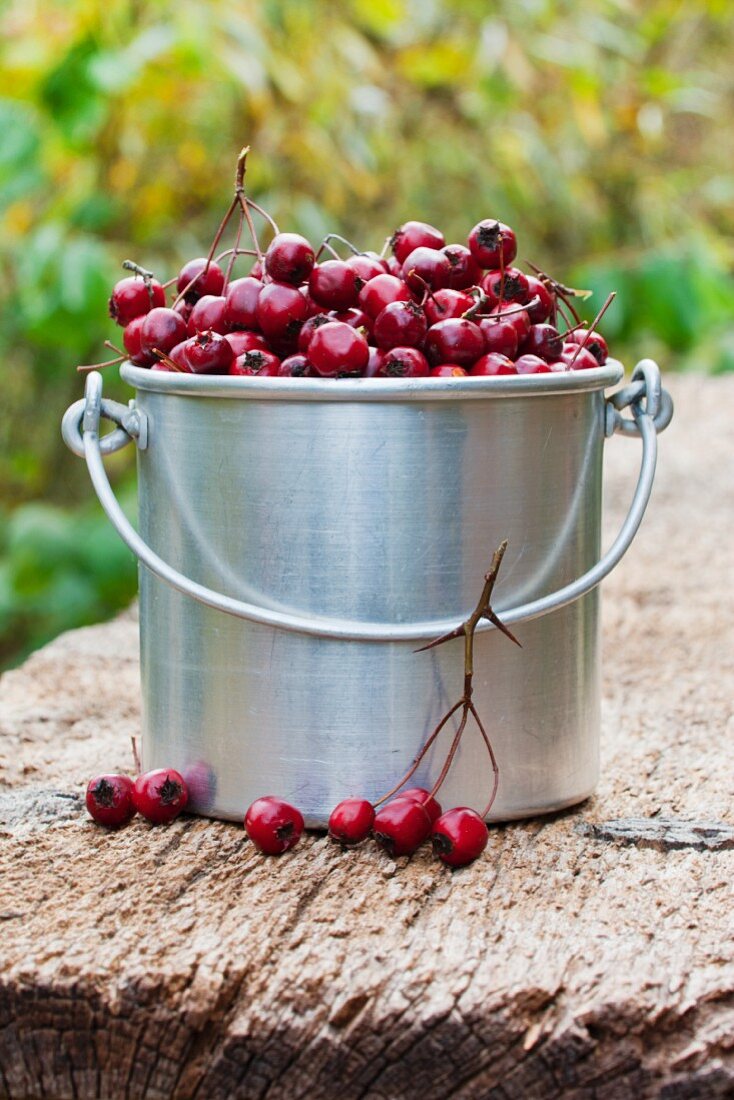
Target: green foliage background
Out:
[600,130]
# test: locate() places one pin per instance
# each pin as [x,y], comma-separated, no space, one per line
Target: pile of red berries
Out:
[428,309]
[159,796]
[274,826]
[400,827]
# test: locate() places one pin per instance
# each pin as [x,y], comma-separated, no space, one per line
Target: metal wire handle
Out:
[651,408]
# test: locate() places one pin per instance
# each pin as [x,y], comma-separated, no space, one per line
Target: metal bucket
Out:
[301,537]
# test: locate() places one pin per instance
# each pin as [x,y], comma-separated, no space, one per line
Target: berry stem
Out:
[130,265]
[234,252]
[502,278]
[136,755]
[343,240]
[452,750]
[427,292]
[147,276]
[492,757]
[483,610]
[84,367]
[210,255]
[565,293]
[471,313]
[325,245]
[481,301]
[567,320]
[241,200]
[421,753]
[592,326]
[168,361]
[263,214]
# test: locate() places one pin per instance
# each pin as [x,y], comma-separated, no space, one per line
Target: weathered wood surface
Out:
[176,962]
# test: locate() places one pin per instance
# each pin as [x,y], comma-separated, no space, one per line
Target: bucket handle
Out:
[651,408]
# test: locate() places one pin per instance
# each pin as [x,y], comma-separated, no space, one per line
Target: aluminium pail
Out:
[376,501]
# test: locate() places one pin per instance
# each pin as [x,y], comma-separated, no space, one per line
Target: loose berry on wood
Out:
[459,836]
[351,820]
[109,800]
[160,795]
[273,825]
[401,827]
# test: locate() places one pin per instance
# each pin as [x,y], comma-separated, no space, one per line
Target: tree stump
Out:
[585,955]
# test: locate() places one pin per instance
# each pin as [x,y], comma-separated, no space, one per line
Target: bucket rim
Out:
[371,389]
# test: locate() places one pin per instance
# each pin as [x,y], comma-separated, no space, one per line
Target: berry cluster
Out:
[159,796]
[408,817]
[429,309]
[400,827]
[400,822]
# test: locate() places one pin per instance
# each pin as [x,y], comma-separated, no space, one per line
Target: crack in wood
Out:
[665,834]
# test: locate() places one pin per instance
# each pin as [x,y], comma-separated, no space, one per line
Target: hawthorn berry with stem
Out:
[465,704]
[240,201]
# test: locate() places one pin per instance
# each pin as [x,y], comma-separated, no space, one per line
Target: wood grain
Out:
[177,962]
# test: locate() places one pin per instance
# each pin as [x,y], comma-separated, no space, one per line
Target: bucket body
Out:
[384,510]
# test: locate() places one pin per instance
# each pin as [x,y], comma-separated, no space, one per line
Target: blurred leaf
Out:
[70,95]
[112,71]
[596,130]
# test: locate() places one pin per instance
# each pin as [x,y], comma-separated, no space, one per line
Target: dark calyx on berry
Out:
[273,825]
[492,244]
[595,343]
[109,800]
[465,271]
[169,791]
[509,286]
[160,795]
[404,363]
[104,793]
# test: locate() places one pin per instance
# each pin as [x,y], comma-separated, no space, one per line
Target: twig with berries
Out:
[465,704]
[401,826]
